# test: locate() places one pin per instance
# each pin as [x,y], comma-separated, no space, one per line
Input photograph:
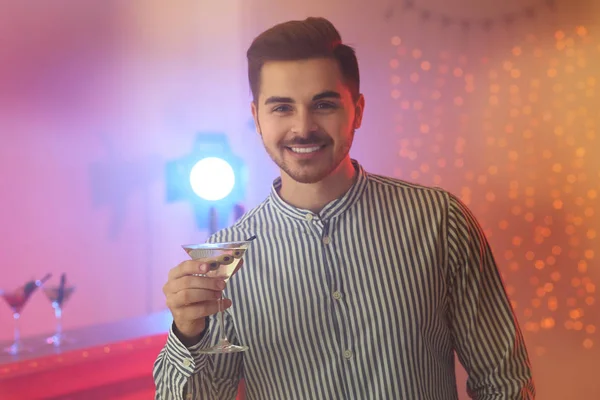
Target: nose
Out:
[303,124]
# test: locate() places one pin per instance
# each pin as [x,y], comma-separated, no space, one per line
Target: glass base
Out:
[58,339]
[224,347]
[17,348]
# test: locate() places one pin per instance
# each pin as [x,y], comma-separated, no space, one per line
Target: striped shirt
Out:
[368,299]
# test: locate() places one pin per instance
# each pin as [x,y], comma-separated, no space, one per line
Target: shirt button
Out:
[326,240]
[347,354]
[337,295]
[308,217]
[187,362]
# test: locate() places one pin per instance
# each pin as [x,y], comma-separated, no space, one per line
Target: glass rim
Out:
[216,245]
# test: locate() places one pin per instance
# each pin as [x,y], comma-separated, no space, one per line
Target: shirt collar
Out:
[332,209]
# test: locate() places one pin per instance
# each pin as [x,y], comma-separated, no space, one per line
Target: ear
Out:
[358,111]
[254,109]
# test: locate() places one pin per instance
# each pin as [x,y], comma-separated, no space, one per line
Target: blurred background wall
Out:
[494,101]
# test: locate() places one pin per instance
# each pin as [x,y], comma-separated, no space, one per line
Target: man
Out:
[358,286]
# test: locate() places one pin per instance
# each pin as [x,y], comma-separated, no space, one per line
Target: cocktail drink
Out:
[58,295]
[222,260]
[16,300]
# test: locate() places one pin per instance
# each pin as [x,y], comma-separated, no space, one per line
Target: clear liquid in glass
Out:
[222,260]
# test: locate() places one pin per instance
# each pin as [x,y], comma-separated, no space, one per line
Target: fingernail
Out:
[221,284]
[202,268]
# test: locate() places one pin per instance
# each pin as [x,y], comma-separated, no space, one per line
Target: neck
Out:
[315,196]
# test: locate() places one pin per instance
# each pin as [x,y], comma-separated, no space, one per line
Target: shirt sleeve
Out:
[182,373]
[488,340]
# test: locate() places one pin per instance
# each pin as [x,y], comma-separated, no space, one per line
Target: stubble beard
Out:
[308,174]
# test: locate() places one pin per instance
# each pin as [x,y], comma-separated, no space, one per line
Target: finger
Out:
[200,310]
[194,282]
[189,267]
[193,296]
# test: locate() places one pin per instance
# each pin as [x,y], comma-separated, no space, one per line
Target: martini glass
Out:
[16,300]
[222,260]
[58,295]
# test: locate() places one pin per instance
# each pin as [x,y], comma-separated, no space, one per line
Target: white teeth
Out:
[305,149]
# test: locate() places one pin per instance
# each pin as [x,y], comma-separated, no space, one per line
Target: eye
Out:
[325,106]
[283,108]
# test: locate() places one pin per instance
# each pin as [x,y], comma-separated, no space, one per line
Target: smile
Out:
[305,150]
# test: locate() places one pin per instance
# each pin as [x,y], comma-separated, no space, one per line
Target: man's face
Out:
[306,117]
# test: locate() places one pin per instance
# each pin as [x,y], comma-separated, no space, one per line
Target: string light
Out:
[526,170]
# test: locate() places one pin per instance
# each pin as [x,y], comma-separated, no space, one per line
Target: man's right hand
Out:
[192,298]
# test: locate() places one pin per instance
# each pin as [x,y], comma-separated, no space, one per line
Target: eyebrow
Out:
[328,94]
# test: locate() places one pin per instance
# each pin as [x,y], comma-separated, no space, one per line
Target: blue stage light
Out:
[211,178]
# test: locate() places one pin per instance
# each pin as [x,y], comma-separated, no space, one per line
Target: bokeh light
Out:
[516,139]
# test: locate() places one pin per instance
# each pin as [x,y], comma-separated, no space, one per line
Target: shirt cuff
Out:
[187,360]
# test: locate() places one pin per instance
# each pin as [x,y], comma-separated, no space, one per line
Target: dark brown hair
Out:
[300,40]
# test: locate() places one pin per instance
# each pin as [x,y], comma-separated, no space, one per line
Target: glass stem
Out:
[221,323]
[17,332]
[58,315]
